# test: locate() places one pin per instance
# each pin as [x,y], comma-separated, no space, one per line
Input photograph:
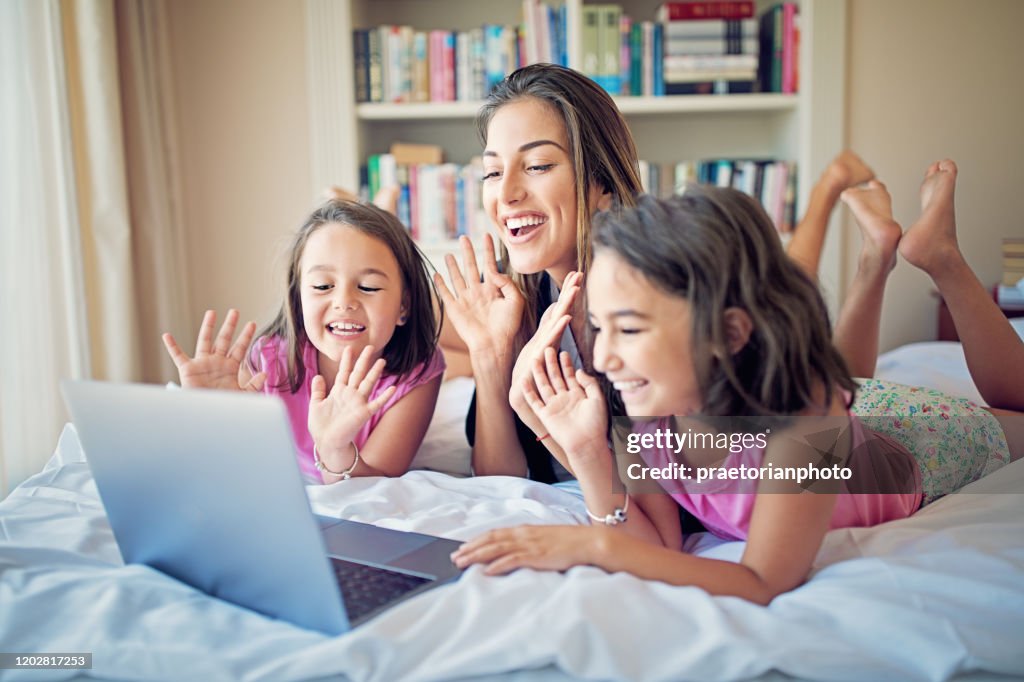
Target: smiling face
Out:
[529,188]
[351,293]
[642,340]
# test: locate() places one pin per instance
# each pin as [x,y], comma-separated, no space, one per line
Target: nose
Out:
[512,188]
[344,299]
[605,359]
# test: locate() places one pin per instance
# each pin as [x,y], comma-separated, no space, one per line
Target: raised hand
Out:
[486,313]
[570,405]
[335,417]
[217,362]
[548,335]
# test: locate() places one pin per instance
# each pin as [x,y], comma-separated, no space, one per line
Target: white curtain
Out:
[68,244]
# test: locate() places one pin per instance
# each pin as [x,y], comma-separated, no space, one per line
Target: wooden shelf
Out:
[630,106]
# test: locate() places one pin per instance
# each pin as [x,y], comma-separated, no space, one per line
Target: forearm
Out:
[496,448]
[595,474]
[339,460]
[620,552]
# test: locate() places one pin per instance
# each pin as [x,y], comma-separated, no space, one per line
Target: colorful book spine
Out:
[706,9]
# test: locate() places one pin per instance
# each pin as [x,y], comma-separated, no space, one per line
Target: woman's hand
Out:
[487,313]
[218,362]
[336,417]
[570,405]
[548,335]
[549,548]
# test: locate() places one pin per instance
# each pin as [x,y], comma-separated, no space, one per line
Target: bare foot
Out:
[847,170]
[880,233]
[930,243]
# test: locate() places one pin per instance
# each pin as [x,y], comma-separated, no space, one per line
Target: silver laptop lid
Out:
[204,486]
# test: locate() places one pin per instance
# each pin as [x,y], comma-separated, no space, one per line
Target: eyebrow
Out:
[330,268]
[626,312]
[528,146]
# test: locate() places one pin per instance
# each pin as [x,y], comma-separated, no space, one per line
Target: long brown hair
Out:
[717,248]
[600,145]
[412,344]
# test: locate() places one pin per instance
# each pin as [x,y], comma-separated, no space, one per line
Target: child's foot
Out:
[930,243]
[847,170]
[880,234]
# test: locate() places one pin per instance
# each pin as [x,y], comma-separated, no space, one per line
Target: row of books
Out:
[436,201]
[441,201]
[705,47]
[1013,261]
[773,183]
[401,64]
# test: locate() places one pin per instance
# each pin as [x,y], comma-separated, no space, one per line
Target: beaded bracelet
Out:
[615,518]
[322,468]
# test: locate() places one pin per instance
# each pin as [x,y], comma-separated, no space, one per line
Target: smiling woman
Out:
[556,150]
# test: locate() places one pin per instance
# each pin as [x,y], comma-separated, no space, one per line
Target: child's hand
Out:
[487,313]
[217,363]
[336,417]
[570,405]
[551,548]
[548,335]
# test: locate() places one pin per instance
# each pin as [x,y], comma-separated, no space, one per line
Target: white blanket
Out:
[924,598]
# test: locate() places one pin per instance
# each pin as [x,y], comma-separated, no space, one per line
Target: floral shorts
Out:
[954,440]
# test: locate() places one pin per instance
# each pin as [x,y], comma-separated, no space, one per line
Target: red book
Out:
[686,10]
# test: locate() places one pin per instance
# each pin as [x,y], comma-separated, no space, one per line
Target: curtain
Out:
[82,251]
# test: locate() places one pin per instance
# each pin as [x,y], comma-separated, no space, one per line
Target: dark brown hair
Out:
[717,248]
[413,343]
[600,145]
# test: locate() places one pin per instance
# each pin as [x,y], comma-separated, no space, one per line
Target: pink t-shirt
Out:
[269,354]
[725,506]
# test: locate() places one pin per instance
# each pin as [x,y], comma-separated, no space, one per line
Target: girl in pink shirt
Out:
[696,311]
[352,353]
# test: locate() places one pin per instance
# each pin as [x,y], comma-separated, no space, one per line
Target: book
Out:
[590,39]
[406,153]
[1012,246]
[681,46]
[711,87]
[705,9]
[361,63]
[714,28]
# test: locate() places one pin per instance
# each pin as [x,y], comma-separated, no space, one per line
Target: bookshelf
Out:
[806,127]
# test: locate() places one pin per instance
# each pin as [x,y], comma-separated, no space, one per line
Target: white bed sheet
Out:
[924,598]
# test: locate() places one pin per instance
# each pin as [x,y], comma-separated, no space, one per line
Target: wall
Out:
[242,112]
[929,79]
[926,79]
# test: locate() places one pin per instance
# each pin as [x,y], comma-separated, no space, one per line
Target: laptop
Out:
[204,486]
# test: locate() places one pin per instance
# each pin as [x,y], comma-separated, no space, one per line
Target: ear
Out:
[738,327]
[600,198]
[403,315]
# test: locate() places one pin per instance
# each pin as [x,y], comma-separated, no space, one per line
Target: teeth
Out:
[525,221]
[345,327]
[629,385]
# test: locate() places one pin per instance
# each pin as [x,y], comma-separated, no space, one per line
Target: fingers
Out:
[469,259]
[541,380]
[344,368]
[380,401]
[237,352]
[442,290]
[568,371]
[255,385]
[553,334]
[362,366]
[177,355]
[554,370]
[370,380]
[222,343]
[204,341]
[317,390]
[454,274]
[589,384]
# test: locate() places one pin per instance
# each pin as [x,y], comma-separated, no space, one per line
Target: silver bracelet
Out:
[615,518]
[346,474]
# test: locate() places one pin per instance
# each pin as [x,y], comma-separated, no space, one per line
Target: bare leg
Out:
[856,332]
[995,354]
[845,171]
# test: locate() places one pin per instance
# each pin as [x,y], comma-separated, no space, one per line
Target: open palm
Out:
[218,362]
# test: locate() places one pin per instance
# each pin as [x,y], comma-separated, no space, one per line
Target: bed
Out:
[933,597]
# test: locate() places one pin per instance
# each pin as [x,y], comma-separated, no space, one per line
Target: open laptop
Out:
[204,486]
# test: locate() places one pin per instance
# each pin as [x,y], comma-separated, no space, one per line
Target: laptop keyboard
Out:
[366,588]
